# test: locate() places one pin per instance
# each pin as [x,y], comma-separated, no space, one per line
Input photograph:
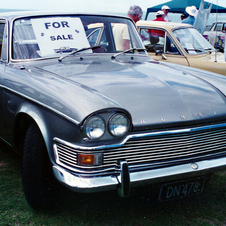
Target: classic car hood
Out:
[152,92]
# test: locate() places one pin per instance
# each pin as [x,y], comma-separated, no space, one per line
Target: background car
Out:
[180,44]
[216,34]
[98,118]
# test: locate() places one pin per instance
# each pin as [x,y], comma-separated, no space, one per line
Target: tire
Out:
[39,183]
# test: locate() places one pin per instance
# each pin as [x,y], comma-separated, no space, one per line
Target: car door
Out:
[215,31]
[161,46]
[3,59]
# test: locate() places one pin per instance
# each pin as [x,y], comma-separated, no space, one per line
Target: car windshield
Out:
[58,36]
[192,41]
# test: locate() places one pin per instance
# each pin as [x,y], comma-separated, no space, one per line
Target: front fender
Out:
[50,123]
[36,115]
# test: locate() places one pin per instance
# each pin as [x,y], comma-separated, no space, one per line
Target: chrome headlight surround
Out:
[118,125]
[94,127]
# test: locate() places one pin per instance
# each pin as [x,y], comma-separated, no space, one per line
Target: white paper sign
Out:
[190,48]
[59,35]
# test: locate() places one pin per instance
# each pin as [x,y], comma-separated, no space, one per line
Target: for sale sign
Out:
[59,35]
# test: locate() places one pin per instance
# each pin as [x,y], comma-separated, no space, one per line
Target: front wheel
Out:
[39,183]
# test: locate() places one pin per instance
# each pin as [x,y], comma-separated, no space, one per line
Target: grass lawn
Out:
[140,209]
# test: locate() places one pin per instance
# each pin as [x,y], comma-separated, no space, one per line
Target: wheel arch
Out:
[25,116]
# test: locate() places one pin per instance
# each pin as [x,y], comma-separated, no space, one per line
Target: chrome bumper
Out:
[125,180]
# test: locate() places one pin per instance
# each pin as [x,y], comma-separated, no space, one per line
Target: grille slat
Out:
[64,153]
[66,159]
[153,151]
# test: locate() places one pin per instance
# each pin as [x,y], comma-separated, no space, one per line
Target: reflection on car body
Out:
[181,44]
[97,119]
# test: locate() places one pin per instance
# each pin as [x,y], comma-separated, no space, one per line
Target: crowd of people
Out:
[120,31]
[163,14]
[188,17]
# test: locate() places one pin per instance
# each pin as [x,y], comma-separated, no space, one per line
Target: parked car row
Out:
[94,118]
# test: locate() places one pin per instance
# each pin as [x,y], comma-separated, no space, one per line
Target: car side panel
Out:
[2,118]
[212,66]
[170,58]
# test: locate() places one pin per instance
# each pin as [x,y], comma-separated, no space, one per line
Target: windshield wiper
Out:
[195,50]
[210,50]
[128,50]
[78,51]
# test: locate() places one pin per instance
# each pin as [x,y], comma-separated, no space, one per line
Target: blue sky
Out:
[106,6]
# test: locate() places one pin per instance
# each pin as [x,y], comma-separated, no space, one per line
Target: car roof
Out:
[17,14]
[159,24]
[220,21]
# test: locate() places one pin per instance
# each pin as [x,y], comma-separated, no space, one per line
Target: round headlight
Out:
[94,127]
[119,125]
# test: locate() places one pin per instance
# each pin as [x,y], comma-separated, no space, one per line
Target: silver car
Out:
[95,118]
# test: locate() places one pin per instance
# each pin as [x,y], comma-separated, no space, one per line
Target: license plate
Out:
[181,189]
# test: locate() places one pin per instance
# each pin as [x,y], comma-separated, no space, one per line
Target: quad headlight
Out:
[95,127]
[107,125]
[119,125]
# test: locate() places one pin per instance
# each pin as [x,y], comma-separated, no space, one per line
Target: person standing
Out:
[120,31]
[160,16]
[192,12]
[166,9]
[135,12]
[154,32]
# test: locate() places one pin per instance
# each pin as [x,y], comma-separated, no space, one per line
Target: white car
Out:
[216,34]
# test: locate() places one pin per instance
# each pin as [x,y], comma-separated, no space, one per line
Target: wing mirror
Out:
[158,52]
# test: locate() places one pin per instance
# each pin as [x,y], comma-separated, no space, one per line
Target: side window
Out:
[170,48]
[224,27]
[153,39]
[218,27]
[2,28]
[97,37]
[94,36]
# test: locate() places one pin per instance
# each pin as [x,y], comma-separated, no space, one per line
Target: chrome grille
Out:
[67,155]
[155,150]
[159,151]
